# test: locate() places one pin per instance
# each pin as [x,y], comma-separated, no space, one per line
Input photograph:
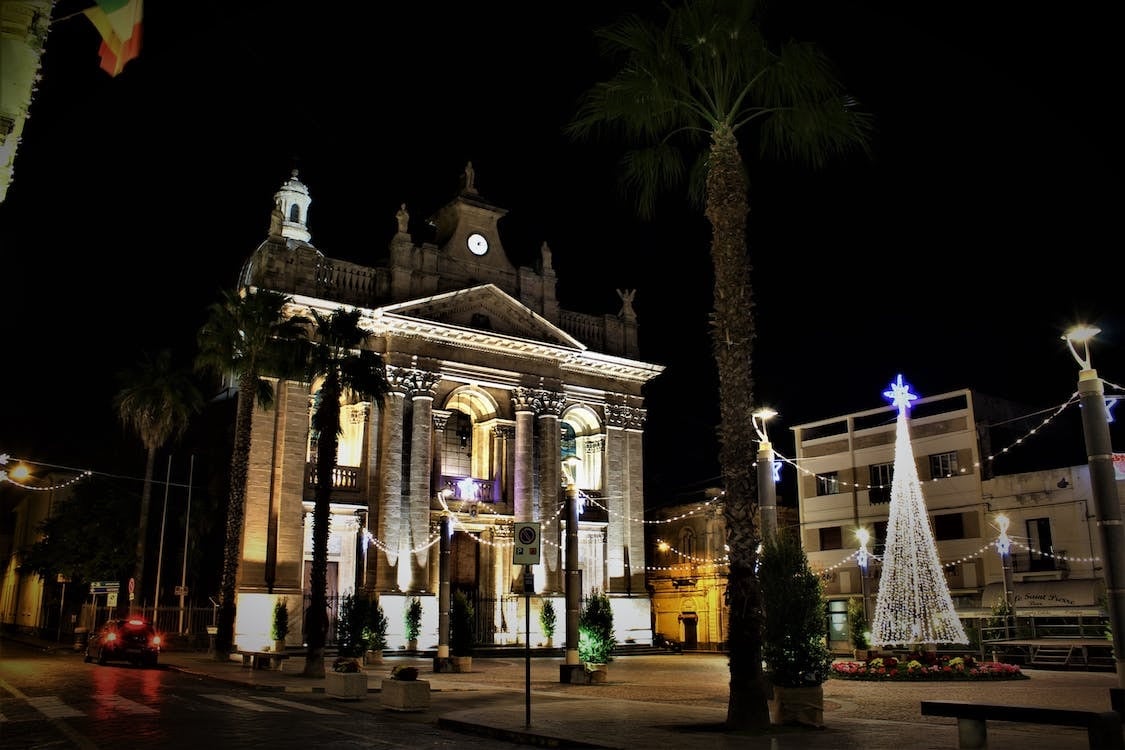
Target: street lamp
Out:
[767,492]
[573,582]
[1004,547]
[862,557]
[1103,486]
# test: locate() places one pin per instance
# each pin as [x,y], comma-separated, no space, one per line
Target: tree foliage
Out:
[79,538]
[596,640]
[794,643]
[688,97]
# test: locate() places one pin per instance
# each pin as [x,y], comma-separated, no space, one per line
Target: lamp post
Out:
[573,581]
[1004,547]
[767,492]
[862,557]
[443,587]
[1103,486]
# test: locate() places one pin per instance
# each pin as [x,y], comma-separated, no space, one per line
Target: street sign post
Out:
[527,545]
[104,587]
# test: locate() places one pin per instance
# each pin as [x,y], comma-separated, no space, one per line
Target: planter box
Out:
[348,686]
[803,705]
[405,695]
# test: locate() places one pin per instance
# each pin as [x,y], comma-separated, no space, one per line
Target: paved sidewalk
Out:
[680,701]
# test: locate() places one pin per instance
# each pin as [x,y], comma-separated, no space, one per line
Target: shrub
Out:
[280,628]
[375,628]
[350,641]
[857,623]
[412,619]
[461,622]
[595,630]
[547,619]
[794,643]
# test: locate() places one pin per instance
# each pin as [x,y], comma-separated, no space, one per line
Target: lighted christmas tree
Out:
[914,606]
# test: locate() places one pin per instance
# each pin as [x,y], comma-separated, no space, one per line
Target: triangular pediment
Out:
[484,308]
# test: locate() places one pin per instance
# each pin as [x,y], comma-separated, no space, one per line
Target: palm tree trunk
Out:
[142,531]
[236,512]
[328,427]
[732,345]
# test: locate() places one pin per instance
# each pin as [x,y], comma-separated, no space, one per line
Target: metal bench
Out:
[262,659]
[1103,728]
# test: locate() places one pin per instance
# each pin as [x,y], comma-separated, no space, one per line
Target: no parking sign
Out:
[526,543]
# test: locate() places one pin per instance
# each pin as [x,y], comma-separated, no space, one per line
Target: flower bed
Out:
[918,668]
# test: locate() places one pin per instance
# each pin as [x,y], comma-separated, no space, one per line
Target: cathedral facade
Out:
[500,400]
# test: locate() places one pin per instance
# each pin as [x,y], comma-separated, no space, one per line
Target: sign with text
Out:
[526,536]
[104,587]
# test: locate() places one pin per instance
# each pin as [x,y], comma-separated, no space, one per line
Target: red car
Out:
[131,639]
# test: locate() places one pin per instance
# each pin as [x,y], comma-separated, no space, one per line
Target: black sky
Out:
[979,230]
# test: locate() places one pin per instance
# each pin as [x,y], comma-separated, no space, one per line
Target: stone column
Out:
[550,405]
[392,539]
[421,390]
[616,496]
[524,407]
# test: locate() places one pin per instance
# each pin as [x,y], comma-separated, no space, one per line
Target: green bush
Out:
[412,619]
[595,630]
[547,619]
[794,643]
[375,628]
[461,622]
[857,623]
[350,641]
[280,628]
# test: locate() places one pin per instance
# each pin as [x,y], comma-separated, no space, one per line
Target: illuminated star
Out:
[900,394]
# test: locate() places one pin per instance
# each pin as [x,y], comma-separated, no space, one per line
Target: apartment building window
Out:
[1040,546]
[943,465]
[687,544]
[879,540]
[881,476]
[827,484]
[949,526]
[831,537]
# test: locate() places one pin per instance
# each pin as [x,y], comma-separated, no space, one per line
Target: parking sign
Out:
[526,534]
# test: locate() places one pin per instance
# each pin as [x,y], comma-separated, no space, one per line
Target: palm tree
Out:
[683,95]
[246,336]
[345,371]
[155,402]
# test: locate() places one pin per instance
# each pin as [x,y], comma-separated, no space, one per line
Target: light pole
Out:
[573,582]
[862,557]
[1103,486]
[1004,547]
[767,491]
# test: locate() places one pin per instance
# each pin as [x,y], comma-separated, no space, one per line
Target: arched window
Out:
[457,445]
[295,214]
[687,544]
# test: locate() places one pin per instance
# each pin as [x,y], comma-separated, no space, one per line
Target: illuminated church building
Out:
[495,391]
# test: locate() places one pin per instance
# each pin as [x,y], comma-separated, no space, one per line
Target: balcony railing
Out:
[344,478]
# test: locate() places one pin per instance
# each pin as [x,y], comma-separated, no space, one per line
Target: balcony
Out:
[345,479]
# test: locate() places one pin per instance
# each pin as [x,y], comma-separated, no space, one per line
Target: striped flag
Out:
[119,23]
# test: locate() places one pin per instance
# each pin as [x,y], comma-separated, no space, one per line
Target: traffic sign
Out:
[111,599]
[526,551]
[103,587]
[132,585]
[181,591]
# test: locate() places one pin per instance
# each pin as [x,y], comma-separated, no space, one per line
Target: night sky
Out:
[957,255]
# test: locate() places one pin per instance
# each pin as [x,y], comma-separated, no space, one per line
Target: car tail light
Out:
[155,639]
[111,636]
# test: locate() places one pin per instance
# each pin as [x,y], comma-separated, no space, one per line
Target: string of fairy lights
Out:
[18,474]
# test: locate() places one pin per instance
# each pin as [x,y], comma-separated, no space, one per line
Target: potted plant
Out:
[346,680]
[857,627]
[794,645]
[412,621]
[350,639]
[461,637]
[403,691]
[595,636]
[280,628]
[375,632]
[547,622]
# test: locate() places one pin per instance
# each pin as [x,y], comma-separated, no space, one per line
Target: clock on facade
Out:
[477,243]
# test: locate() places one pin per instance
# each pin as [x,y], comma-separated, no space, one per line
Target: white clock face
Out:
[478,245]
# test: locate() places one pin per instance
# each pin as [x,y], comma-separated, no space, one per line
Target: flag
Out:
[119,23]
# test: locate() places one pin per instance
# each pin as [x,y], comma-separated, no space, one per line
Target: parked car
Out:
[131,639]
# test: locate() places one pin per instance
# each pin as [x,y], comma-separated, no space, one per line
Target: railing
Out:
[467,488]
[344,478]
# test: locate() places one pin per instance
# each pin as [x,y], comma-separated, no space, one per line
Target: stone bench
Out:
[1103,728]
[262,659]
